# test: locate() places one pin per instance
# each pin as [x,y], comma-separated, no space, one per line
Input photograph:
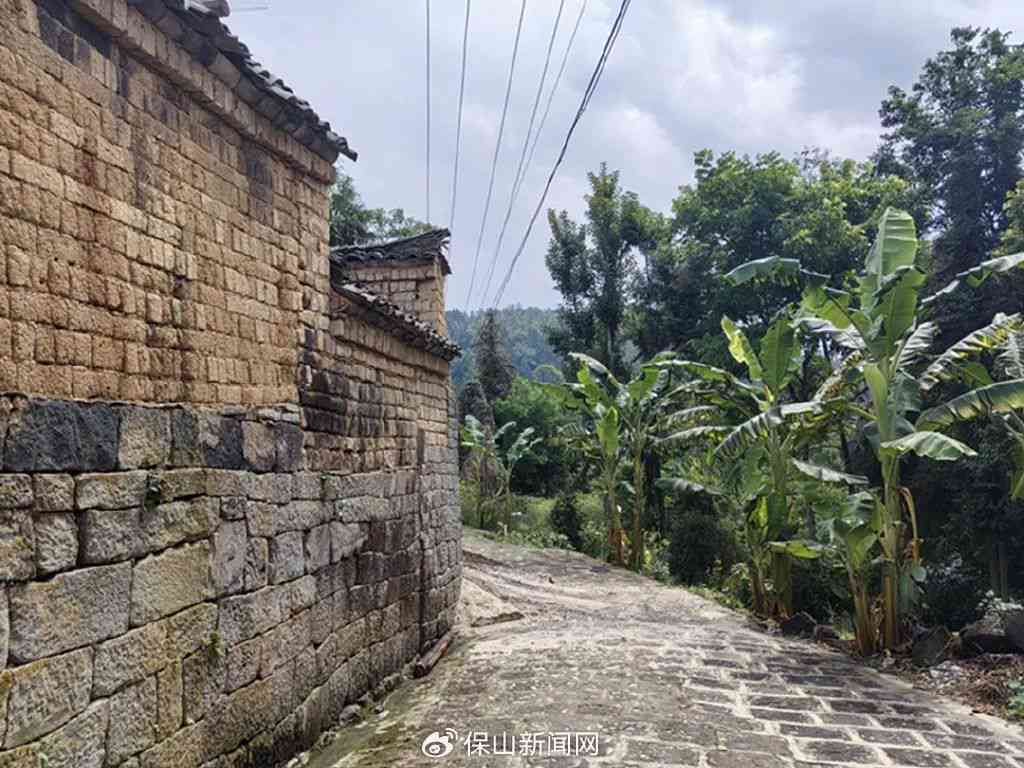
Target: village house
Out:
[228,500]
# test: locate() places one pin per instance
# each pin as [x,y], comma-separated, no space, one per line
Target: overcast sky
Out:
[685,75]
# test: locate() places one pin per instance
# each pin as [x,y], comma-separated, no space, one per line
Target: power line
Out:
[554,86]
[497,150]
[458,129]
[587,96]
[521,170]
[428,111]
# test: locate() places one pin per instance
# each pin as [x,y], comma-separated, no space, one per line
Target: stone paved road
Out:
[666,679]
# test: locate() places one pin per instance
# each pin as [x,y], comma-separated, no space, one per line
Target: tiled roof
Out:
[426,247]
[197,26]
[400,323]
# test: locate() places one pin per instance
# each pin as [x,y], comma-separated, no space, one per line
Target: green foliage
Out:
[525,332]
[565,520]
[953,594]
[593,265]
[352,223]
[1016,703]
[494,368]
[546,469]
[700,546]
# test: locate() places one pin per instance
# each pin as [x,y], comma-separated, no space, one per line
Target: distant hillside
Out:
[525,330]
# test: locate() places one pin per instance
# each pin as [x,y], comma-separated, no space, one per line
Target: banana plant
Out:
[631,420]
[763,450]
[487,450]
[882,320]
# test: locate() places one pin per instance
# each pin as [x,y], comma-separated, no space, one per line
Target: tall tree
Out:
[494,368]
[352,223]
[819,210]
[592,266]
[959,136]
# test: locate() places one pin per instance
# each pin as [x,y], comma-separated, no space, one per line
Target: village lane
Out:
[650,676]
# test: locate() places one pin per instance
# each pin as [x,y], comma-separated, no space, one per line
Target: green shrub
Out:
[953,594]
[1016,705]
[699,545]
[821,588]
[565,519]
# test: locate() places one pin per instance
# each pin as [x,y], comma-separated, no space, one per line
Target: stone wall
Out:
[228,496]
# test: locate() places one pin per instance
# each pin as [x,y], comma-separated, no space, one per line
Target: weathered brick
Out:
[145,438]
[46,694]
[287,560]
[56,542]
[133,721]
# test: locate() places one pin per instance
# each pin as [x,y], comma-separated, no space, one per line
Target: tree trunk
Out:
[863,626]
[614,529]
[782,581]
[639,500]
[757,594]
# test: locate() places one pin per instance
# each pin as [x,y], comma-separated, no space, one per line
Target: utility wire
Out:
[428,111]
[458,129]
[517,180]
[497,150]
[587,96]
[554,86]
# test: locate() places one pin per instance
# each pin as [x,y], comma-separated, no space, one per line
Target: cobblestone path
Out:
[664,677]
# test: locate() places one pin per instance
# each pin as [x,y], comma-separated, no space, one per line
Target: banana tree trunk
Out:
[757,593]
[892,545]
[782,582]
[639,499]
[611,509]
[863,626]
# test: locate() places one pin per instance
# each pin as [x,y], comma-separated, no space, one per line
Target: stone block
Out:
[113,490]
[220,439]
[5,640]
[46,694]
[69,611]
[258,446]
[133,721]
[145,438]
[186,449]
[302,594]
[15,491]
[79,744]
[230,547]
[150,649]
[244,663]
[244,616]
[166,583]
[241,716]
[17,545]
[181,484]
[256,564]
[287,560]
[203,678]
[346,540]
[110,536]
[167,525]
[168,700]
[318,548]
[54,493]
[288,443]
[61,436]
[56,536]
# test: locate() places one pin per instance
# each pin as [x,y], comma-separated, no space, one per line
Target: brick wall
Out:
[228,498]
[419,289]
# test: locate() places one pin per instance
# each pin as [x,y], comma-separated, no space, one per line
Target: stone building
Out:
[228,493]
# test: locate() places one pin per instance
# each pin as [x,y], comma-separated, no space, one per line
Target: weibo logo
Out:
[437,745]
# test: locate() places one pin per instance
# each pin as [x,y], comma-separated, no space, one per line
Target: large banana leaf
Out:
[895,248]
[895,303]
[801,550]
[608,432]
[693,433]
[931,445]
[772,268]
[711,375]
[845,373]
[1012,357]
[643,385]
[777,351]
[1004,397]
[682,485]
[917,345]
[759,427]
[978,275]
[740,347]
[827,474]
[848,339]
[996,334]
